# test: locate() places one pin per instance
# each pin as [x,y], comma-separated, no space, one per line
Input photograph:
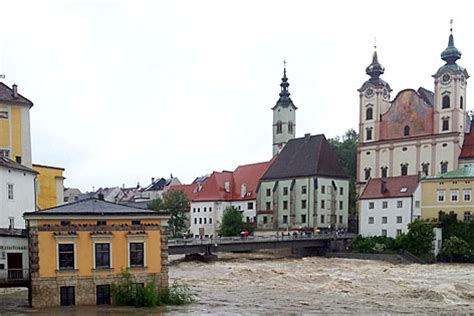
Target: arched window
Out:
[290,127]
[425,168]
[444,166]
[406,131]
[461,101]
[404,169]
[367,173]
[446,102]
[369,114]
[384,171]
[279,127]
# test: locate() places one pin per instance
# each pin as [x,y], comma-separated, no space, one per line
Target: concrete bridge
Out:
[301,245]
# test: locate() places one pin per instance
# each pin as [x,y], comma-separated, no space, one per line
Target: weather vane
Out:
[451,22]
[375,42]
[284,63]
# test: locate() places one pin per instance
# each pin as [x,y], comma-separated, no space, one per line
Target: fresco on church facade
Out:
[407,113]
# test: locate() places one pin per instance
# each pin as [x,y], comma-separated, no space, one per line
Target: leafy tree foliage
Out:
[176,203]
[457,249]
[232,224]
[419,239]
[455,234]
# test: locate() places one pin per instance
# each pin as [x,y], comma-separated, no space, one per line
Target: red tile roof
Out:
[468,145]
[394,187]
[241,184]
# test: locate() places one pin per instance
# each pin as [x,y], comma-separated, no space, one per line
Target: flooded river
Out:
[309,285]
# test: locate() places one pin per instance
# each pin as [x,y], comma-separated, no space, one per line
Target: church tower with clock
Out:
[418,131]
[283,117]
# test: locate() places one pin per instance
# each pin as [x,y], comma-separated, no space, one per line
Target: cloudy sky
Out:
[129,90]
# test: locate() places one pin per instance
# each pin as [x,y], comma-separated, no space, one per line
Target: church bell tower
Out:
[283,117]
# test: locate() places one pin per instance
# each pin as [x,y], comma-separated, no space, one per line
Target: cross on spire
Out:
[451,28]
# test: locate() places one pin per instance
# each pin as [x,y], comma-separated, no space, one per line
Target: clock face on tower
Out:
[369,93]
[446,78]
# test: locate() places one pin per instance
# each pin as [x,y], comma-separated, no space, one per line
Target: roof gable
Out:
[394,187]
[6,94]
[304,157]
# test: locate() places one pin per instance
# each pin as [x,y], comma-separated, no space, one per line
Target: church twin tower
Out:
[419,131]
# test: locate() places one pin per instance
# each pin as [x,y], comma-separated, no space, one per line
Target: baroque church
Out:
[419,131]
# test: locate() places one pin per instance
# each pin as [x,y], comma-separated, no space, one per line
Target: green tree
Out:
[457,249]
[345,148]
[176,202]
[156,205]
[232,224]
[419,239]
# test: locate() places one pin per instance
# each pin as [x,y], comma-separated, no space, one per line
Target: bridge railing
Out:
[14,275]
[251,239]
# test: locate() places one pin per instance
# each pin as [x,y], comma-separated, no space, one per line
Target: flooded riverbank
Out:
[258,284]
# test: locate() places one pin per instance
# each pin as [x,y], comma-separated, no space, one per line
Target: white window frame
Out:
[371,205]
[467,192]
[401,219]
[384,204]
[137,239]
[371,220]
[454,193]
[65,239]
[441,194]
[400,204]
[102,239]
[10,192]
[384,220]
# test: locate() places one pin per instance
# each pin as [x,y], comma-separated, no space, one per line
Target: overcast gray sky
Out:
[127,90]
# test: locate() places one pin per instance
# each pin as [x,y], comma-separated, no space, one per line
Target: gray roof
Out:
[427,95]
[13,232]
[8,163]
[94,207]
[305,157]
[6,94]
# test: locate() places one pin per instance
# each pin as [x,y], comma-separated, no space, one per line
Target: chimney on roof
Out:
[171,176]
[138,185]
[152,180]
[15,91]
[383,186]
[307,136]
[101,196]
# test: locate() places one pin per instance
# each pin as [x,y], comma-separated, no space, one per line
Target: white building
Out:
[388,205]
[17,193]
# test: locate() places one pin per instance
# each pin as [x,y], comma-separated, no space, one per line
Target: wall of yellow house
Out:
[17,149]
[4,130]
[84,255]
[430,206]
[48,186]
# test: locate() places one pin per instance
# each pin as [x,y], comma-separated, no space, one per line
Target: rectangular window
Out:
[3,114]
[285,219]
[269,206]
[66,256]
[102,256]
[371,205]
[384,219]
[210,220]
[322,219]
[445,124]
[194,210]
[384,232]
[341,205]
[4,153]
[269,192]
[200,220]
[323,202]
[103,294]
[341,190]
[467,195]
[303,189]
[399,232]
[67,296]
[341,218]
[137,255]
[371,220]
[249,206]
[205,209]
[467,216]
[440,196]
[417,204]
[205,220]
[210,208]
[285,205]
[399,204]
[303,203]
[265,219]
[285,191]
[199,210]
[303,218]
[323,189]
[10,191]
[385,204]
[399,219]
[11,220]
[195,220]
[369,133]
[454,196]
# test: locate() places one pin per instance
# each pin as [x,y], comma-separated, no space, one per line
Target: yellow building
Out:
[78,250]
[50,188]
[15,139]
[448,192]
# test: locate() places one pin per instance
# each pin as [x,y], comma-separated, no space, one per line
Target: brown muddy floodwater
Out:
[256,285]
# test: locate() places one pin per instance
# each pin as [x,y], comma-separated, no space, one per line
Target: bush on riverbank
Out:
[418,241]
[127,292]
[458,239]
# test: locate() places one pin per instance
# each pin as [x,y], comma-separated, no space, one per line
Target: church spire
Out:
[451,53]
[375,69]
[284,99]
